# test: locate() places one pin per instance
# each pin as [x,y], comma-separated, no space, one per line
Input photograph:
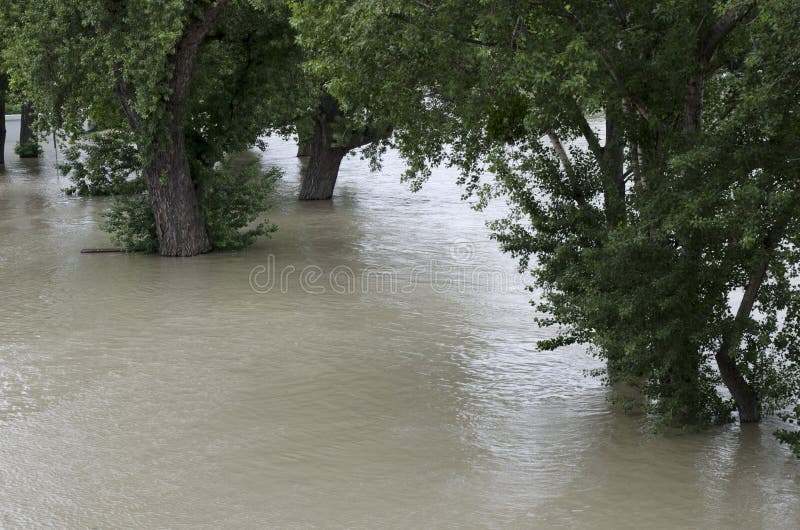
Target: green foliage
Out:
[28,150]
[791,437]
[131,224]
[637,236]
[235,197]
[102,163]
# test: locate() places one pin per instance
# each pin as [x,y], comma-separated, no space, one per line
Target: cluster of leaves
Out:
[28,149]
[102,163]
[235,196]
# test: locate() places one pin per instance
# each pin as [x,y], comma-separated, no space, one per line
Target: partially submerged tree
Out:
[28,145]
[332,136]
[186,79]
[141,57]
[637,234]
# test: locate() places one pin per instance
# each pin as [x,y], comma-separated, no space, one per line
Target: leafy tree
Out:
[235,193]
[192,81]
[638,234]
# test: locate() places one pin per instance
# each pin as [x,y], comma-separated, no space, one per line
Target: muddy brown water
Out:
[371,366]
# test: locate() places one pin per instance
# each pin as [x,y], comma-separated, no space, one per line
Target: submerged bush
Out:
[28,150]
[131,223]
[102,163]
[234,195]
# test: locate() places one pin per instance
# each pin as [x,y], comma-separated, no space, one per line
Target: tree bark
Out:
[180,223]
[747,401]
[613,165]
[26,127]
[319,178]
[303,148]
[2,127]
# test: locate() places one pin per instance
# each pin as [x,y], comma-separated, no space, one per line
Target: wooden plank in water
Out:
[100,250]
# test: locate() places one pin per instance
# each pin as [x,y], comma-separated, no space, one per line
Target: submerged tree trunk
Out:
[180,223]
[2,127]
[320,174]
[326,154]
[26,124]
[744,395]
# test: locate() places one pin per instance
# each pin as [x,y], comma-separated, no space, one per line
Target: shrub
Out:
[235,194]
[28,150]
[131,223]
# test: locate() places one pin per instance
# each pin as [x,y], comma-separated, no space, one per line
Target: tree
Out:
[28,145]
[193,82]
[140,57]
[636,235]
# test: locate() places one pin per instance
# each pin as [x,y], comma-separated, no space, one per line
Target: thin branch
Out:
[730,20]
[638,104]
[562,153]
[569,169]
[123,93]
[590,137]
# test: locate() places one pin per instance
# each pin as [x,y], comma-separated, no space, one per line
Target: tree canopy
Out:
[646,151]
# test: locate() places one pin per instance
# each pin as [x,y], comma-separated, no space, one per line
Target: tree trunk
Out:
[180,223]
[325,154]
[2,127]
[319,176]
[303,148]
[613,165]
[747,401]
[26,125]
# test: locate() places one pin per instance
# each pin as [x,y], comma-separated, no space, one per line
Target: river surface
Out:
[373,365]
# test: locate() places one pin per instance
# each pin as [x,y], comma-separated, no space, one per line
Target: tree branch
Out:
[188,48]
[590,137]
[122,91]
[569,169]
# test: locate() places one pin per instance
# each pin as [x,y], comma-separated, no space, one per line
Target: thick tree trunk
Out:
[26,125]
[303,148]
[319,177]
[2,129]
[180,223]
[325,154]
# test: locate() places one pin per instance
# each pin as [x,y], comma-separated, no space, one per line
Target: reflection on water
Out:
[139,392]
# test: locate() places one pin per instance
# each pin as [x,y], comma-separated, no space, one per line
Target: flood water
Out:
[372,365]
